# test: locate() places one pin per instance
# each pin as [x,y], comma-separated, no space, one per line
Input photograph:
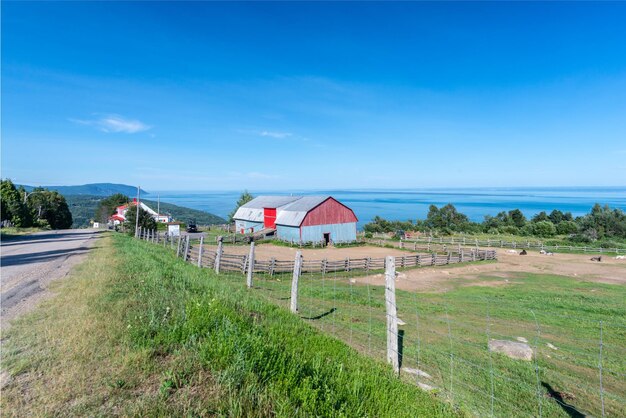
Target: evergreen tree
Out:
[146,221]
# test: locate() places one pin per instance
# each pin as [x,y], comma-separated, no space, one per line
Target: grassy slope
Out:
[134,331]
[446,335]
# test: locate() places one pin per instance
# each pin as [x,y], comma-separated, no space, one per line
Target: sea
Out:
[412,204]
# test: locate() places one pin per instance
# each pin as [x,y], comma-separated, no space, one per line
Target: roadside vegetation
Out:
[135,331]
[40,208]
[602,226]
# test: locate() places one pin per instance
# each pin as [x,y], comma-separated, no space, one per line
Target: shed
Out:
[173,229]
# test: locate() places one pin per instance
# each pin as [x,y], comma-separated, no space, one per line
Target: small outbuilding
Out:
[299,219]
[173,229]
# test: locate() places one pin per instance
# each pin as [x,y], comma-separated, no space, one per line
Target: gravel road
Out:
[31,262]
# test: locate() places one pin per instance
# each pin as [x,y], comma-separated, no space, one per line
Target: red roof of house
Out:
[117,217]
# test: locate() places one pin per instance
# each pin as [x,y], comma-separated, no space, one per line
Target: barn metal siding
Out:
[330,212]
[288,233]
[339,232]
[247,225]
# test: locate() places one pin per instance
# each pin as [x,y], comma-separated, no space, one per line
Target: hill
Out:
[93,189]
[183,214]
[83,208]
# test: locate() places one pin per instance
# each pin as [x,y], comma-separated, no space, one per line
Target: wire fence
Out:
[490,356]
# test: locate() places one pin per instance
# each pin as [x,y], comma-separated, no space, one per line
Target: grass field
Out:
[136,332]
[447,334]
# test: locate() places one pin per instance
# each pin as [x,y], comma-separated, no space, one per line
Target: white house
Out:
[120,215]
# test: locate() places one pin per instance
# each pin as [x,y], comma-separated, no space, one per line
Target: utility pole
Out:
[137,217]
[158,207]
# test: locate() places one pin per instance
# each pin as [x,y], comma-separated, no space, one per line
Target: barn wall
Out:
[329,212]
[246,225]
[288,233]
[341,232]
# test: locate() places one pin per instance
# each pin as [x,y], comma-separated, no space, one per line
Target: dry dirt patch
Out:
[444,278]
[267,251]
[504,271]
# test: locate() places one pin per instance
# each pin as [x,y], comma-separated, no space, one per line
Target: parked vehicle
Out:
[191,226]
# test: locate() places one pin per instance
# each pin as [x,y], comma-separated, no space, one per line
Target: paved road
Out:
[31,262]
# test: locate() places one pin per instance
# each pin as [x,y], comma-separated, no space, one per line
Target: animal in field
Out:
[549,253]
[598,259]
[542,252]
[620,257]
[523,252]
[511,251]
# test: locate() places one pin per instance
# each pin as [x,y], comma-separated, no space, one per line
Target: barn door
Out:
[269,217]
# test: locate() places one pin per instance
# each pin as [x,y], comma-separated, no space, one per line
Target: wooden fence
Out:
[382,239]
[237,262]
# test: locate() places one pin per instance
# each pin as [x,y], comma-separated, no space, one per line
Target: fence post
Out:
[218,254]
[200,251]
[186,254]
[294,282]
[178,247]
[250,265]
[392,313]
[448,260]
[434,259]
[461,256]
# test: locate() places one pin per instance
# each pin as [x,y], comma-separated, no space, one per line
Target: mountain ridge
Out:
[92,189]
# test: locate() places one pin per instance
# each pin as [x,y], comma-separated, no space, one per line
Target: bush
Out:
[509,229]
[566,228]
[544,229]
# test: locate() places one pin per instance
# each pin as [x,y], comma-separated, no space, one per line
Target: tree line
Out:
[600,223]
[40,208]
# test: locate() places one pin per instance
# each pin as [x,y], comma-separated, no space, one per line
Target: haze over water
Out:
[405,204]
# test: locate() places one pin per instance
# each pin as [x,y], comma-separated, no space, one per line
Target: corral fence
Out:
[195,251]
[491,243]
[490,354]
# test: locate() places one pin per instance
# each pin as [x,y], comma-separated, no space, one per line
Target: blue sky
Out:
[209,96]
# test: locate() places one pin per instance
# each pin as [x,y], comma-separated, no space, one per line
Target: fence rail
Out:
[432,242]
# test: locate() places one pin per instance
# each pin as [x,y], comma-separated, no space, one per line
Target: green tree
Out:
[541,216]
[12,206]
[446,219]
[243,199]
[544,229]
[146,221]
[602,222]
[566,228]
[556,216]
[107,206]
[517,218]
[49,208]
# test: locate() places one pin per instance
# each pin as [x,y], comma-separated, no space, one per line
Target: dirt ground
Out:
[267,251]
[443,278]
